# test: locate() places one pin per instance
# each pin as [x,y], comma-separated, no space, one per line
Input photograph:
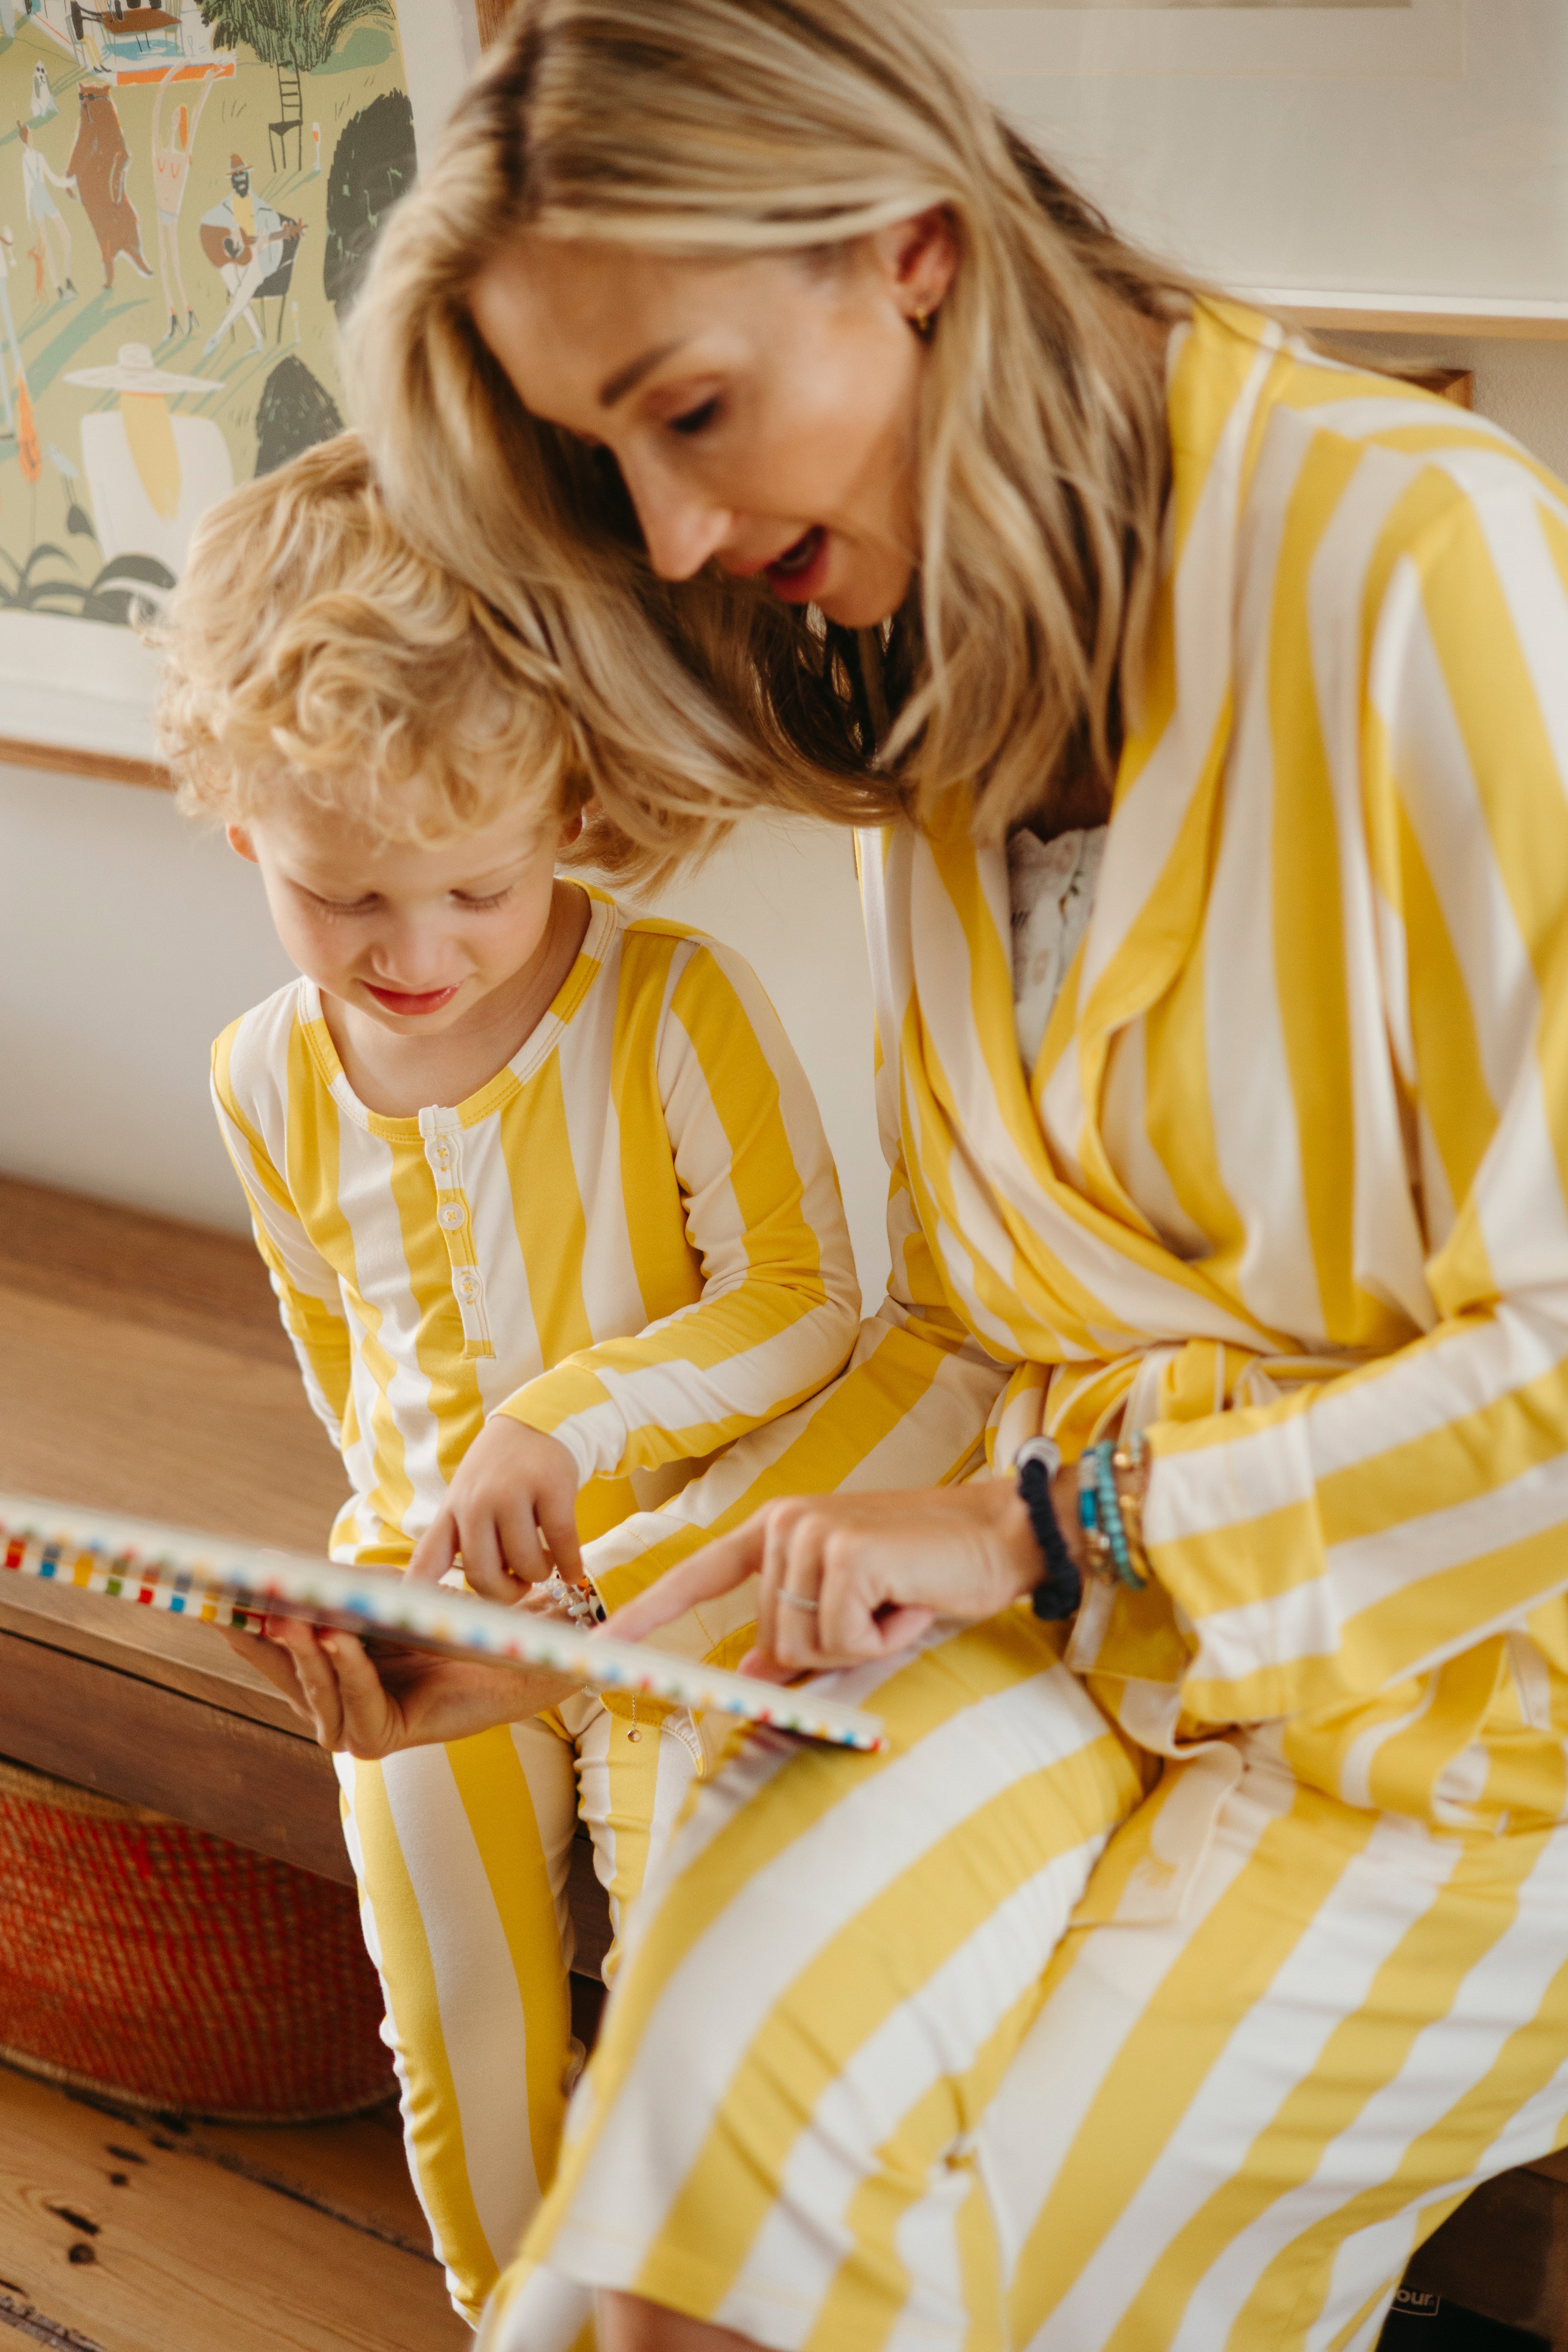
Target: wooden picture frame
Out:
[97,491]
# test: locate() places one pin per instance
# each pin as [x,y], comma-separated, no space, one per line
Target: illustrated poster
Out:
[188,193]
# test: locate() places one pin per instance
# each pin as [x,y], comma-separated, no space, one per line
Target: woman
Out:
[851,463]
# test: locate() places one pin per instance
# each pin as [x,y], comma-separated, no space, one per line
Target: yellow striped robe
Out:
[632,1239]
[1290,1186]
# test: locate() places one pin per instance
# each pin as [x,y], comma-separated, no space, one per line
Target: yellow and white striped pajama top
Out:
[973,2044]
[632,1239]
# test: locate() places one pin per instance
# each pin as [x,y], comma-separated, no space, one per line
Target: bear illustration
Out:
[98,164]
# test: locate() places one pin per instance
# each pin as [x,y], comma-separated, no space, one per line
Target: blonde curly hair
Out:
[310,651]
[719,128]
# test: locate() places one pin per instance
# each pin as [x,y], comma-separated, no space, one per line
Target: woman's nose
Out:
[681,528]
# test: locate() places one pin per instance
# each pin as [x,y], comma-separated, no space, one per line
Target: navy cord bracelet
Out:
[1060,1589]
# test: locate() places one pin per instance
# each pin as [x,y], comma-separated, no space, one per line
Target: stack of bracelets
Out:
[1112,1480]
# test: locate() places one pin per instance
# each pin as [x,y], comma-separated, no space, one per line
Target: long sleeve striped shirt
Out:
[1289,1180]
[631,1238]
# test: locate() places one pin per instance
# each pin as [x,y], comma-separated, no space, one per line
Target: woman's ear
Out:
[240,842]
[920,260]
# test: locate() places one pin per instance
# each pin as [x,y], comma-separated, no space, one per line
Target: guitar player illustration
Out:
[246,241]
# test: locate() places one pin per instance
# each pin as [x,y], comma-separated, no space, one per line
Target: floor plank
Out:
[356,2171]
[137,2237]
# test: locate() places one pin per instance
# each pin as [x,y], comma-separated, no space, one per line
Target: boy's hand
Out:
[372,1701]
[512,1511]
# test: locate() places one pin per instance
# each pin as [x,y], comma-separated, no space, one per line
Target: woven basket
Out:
[169,1970]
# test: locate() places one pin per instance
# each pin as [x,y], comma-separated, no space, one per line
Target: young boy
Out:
[549,1215]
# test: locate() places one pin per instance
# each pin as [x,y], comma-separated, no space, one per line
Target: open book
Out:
[218,1582]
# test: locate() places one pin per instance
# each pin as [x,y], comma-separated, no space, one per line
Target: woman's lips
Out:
[403,1000]
[798,573]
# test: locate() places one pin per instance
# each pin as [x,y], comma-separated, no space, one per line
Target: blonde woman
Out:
[1168,1988]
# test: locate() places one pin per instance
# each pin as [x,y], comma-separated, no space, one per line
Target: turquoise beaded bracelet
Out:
[1099,1514]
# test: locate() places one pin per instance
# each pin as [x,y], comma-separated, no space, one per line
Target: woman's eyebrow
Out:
[616,387]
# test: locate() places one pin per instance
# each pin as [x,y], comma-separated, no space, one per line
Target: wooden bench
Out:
[142,1369]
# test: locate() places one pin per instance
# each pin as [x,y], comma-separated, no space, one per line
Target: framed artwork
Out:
[1380,163]
[188,191]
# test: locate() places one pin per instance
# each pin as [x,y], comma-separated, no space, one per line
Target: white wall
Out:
[129,939]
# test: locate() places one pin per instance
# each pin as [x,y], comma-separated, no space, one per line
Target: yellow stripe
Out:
[551,1231]
[493,1786]
[884,1953]
[1309,933]
[456,1400]
[918,1700]
[314,1187]
[1226,1967]
[1415,1988]
[667,1272]
[436,2126]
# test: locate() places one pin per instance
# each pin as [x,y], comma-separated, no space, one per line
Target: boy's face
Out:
[413,936]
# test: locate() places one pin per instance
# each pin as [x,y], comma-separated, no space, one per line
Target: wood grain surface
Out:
[1504,2254]
[264,1789]
[130,2236]
[125,1416]
[169,1650]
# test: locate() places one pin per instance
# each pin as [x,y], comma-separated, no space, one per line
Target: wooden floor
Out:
[119,2234]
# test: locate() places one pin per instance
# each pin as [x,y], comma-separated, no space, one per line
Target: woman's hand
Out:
[510,1511]
[848,1577]
[372,1700]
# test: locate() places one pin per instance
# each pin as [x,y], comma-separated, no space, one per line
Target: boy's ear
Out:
[572,830]
[240,842]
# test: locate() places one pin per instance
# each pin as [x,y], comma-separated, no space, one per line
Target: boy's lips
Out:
[403,1000]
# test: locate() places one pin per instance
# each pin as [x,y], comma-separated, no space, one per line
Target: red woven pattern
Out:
[186,1973]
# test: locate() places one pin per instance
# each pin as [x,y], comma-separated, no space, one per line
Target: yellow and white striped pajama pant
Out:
[874,2077]
[462,1854]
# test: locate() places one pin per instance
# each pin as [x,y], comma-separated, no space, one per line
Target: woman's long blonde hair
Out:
[720,128]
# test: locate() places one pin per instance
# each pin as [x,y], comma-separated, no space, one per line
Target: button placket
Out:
[443,1153]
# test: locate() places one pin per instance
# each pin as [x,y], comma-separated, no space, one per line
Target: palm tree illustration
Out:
[295,37]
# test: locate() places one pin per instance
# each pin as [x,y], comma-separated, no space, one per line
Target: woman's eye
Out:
[696,420]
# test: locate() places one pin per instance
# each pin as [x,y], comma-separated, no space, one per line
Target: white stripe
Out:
[709,2011]
[1257,1145]
[1311,1618]
[476,1988]
[1272,2048]
[937,2032]
[1045,2097]
[1466,1370]
[1150,820]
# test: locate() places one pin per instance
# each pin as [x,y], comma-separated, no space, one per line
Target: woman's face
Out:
[763,412]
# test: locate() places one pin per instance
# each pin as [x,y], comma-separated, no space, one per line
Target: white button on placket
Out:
[450,1215]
